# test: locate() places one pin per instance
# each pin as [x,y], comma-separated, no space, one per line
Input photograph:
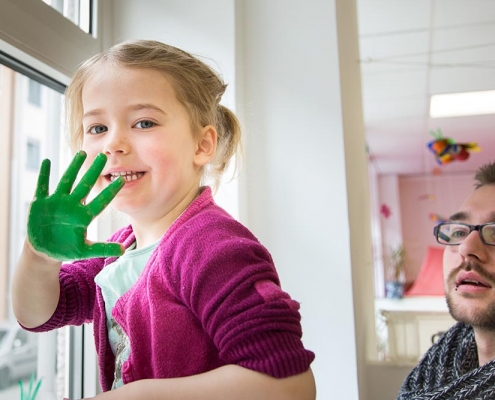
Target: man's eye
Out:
[458,233]
[489,233]
[98,129]
[145,124]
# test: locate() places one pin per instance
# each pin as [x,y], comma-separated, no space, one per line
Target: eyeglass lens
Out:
[452,233]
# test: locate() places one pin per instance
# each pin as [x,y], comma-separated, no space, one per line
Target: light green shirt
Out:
[114,281]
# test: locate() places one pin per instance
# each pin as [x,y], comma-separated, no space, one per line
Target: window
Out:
[34,93]
[77,11]
[28,135]
[39,35]
[45,40]
[33,154]
[21,338]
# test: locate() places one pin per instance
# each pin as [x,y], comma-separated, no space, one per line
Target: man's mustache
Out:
[475,267]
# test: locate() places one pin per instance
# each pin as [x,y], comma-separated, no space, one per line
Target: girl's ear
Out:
[207,146]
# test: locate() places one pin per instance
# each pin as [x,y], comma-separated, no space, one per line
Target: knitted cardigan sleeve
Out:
[228,280]
[77,295]
[78,290]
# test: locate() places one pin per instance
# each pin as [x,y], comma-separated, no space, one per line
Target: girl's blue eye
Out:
[98,129]
[145,124]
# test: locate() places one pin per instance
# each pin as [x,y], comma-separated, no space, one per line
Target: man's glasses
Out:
[453,233]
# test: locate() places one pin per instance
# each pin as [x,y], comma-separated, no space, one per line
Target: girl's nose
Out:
[116,141]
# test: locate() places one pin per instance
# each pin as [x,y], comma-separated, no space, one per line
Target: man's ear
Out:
[207,146]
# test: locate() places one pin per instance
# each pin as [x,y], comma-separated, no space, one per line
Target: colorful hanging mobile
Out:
[447,150]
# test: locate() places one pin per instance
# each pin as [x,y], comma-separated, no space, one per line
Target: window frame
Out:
[47,47]
[35,29]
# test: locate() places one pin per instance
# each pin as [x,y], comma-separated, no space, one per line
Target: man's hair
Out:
[485,175]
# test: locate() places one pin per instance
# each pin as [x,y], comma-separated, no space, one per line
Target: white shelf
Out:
[416,303]
[405,326]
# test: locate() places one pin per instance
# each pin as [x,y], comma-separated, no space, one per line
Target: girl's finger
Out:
[99,203]
[70,174]
[43,180]
[90,177]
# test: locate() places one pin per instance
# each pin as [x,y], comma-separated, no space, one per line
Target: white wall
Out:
[281,58]
[295,183]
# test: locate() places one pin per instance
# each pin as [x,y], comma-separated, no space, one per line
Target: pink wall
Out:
[420,196]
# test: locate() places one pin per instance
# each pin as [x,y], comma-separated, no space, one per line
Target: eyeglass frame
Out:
[436,232]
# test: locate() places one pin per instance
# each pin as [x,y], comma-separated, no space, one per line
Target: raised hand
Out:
[58,223]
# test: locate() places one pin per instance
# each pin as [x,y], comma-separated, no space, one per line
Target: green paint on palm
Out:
[58,223]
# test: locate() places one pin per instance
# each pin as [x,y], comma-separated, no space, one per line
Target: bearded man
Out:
[461,365]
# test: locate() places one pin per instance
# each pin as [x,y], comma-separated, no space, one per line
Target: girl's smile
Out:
[129,176]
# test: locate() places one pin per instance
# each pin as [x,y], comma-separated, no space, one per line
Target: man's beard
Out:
[480,318]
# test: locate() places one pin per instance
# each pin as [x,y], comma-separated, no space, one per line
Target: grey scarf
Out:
[450,371]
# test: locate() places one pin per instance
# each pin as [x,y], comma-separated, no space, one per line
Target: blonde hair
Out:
[197,87]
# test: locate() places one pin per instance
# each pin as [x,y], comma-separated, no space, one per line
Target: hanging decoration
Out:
[436,171]
[447,150]
[427,196]
[385,210]
[437,218]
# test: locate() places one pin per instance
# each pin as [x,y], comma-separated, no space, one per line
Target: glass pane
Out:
[31,131]
[77,11]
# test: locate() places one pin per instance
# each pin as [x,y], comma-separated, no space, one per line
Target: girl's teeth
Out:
[127,175]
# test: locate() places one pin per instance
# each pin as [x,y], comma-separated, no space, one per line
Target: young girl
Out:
[193,309]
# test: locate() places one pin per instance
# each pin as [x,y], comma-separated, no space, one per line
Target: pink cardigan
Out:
[208,296]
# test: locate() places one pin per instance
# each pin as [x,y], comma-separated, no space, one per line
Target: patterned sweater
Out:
[450,370]
[209,296]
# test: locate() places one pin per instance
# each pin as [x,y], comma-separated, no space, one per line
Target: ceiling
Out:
[409,50]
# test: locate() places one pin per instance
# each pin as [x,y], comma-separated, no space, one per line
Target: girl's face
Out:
[133,116]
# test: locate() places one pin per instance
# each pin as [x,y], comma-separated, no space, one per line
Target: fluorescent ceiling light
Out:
[462,104]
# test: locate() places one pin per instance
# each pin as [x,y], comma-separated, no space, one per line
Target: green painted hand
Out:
[57,224]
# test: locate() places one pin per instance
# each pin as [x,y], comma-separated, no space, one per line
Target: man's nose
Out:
[472,246]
